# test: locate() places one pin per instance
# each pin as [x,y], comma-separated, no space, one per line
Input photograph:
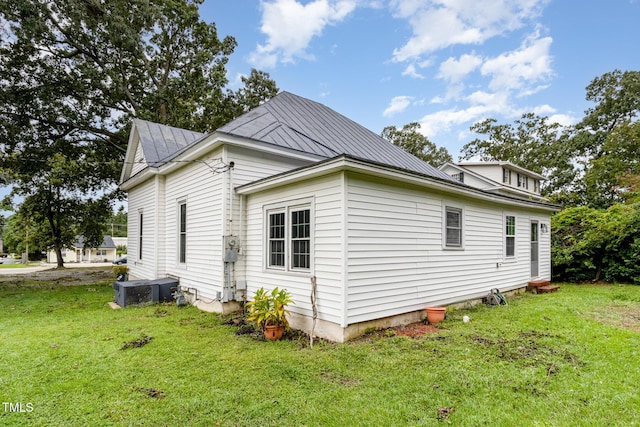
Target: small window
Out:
[140,228]
[182,234]
[523,181]
[453,227]
[506,176]
[458,176]
[510,236]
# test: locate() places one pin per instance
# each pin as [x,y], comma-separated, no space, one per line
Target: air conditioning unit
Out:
[144,291]
[133,292]
[162,289]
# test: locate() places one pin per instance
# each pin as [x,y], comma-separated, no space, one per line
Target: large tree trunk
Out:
[59,258]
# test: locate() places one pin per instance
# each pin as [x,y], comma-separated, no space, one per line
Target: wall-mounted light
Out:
[544,228]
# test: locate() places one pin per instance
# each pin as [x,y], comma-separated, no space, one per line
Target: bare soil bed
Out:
[62,277]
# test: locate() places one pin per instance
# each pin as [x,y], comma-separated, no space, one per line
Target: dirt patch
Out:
[619,315]
[63,276]
[151,392]
[140,342]
[414,330]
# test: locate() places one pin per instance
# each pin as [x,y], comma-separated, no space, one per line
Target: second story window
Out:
[506,176]
[523,181]
[458,176]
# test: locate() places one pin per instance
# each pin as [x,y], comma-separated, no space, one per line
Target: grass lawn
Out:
[563,359]
[20,265]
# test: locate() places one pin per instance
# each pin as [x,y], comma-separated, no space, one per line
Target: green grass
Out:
[20,265]
[563,359]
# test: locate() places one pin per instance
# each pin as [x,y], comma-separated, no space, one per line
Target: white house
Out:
[106,252]
[293,193]
[498,177]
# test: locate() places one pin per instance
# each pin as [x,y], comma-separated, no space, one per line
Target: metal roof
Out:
[290,121]
[161,141]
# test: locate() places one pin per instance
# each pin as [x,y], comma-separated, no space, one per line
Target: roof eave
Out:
[349,163]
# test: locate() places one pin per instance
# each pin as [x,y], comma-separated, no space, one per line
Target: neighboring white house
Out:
[78,253]
[293,193]
[498,177]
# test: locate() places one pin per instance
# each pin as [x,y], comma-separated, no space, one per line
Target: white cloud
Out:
[442,121]
[412,72]
[564,119]
[290,26]
[439,24]
[397,105]
[481,104]
[522,69]
[454,70]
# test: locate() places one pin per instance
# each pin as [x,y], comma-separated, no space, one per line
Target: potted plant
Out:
[121,272]
[267,311]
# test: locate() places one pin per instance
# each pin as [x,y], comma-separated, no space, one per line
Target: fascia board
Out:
[129,157]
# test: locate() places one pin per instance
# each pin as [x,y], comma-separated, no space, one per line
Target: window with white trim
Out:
[510,236]
[506,176]
[276,239]
[453,227]
[289,238]
[182,232]
[523,181]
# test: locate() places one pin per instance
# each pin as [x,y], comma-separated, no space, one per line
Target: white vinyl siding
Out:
[397,262]
[143,199]
[138,161]
[202,191]
[324,199]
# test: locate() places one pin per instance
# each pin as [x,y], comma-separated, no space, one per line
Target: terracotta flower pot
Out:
[435,314]
[273,332]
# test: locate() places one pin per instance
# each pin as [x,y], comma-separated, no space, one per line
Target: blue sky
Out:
[445,64]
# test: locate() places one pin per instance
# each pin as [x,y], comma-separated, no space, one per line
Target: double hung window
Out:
[182,232]
[510,236]
[453,227]
[289,238]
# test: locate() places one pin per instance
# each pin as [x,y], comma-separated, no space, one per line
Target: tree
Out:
[74,72]
[411,140]
[604,179]
[605,141]
[117,224]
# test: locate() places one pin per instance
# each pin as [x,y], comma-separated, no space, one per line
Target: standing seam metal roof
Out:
[291,122]
[298,123]
[161,141]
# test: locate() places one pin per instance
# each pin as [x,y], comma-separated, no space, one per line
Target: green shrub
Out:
[594,244]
